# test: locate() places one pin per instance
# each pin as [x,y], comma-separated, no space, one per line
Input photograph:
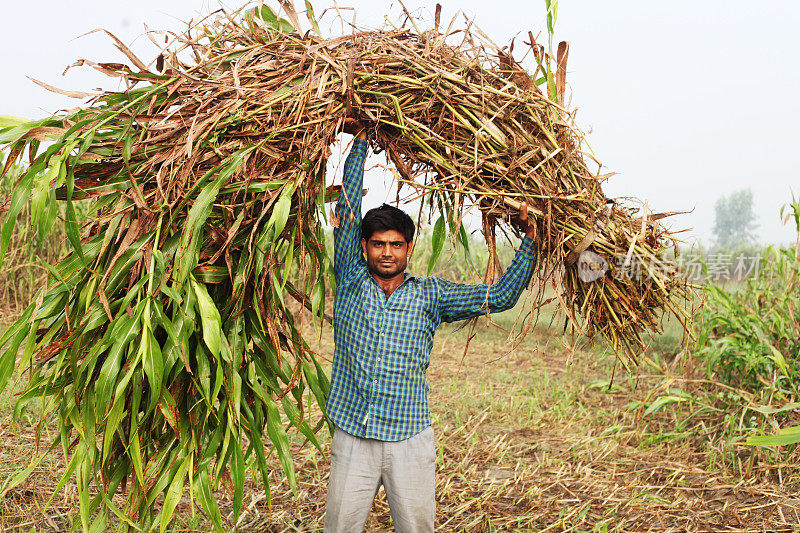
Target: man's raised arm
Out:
[347,236]
[459,301]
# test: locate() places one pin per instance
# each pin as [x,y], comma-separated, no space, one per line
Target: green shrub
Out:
[749,333]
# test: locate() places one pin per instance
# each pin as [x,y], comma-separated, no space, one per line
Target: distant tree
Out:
[735,220]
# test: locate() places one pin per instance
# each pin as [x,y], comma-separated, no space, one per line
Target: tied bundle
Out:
[169,340]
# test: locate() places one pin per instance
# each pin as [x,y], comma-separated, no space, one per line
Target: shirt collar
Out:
[407,278]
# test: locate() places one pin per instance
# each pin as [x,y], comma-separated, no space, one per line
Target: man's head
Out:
[387,238]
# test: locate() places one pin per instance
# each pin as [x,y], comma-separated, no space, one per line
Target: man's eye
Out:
[395,245]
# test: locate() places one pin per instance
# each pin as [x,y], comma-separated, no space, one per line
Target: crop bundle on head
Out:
[169,341]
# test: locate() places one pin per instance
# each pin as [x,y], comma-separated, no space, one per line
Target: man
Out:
[384,322]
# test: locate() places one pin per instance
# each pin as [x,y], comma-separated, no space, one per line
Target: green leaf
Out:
[71,226]
[258,446]
[209,314]
[112,424]
[790,435]
[20,196]
[777,356]
[203,372]
[288,260]
[237,340]
[82,482]
[318,297]
[13,132]
[437,243]
[314,385]
[211,273]
[268,16]
[551,86]
[219,375]
[15,334]
[552,12]
[295,416]
[126,148]
[206,498]
[7,121]
[235,384]
[237,478]
[768,410]
[174,493]
[135,450]
[662,401]
[311,18]
[201,208]
[40,196]
[153,364]
[280,212]
[123,331]
[47,221]
[281,441]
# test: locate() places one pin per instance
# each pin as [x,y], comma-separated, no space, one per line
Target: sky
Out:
[684,100]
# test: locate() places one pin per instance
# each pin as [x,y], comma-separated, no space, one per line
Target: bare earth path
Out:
[525,443]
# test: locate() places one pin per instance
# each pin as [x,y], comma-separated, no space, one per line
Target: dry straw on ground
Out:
[167,331]
[523,444]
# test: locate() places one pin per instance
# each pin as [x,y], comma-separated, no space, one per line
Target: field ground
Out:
[529,439]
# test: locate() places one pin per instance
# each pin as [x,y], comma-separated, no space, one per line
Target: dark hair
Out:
[384,218]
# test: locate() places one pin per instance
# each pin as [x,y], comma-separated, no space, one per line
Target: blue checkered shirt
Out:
[383,345]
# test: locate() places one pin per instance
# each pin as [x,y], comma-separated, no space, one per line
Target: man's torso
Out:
[383,346]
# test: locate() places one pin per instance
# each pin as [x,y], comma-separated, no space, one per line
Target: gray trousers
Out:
[360,466]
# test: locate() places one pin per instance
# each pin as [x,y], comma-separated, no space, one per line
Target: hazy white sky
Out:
[686,100]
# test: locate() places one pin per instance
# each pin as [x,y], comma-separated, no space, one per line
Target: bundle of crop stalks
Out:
[167,341]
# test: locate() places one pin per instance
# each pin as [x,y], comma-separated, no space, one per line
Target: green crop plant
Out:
[748,335]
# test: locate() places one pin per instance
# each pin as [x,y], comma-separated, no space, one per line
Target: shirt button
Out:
[376,381]
[379,359]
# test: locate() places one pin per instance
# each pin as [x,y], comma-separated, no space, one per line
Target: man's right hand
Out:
[354,127]
[526,225]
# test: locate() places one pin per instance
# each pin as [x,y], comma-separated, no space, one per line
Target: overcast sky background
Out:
[686,100]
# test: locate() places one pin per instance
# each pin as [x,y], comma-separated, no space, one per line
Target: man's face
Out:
[387,253]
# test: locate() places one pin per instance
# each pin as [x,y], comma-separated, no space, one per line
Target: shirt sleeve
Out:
[459,301]
[347,237]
